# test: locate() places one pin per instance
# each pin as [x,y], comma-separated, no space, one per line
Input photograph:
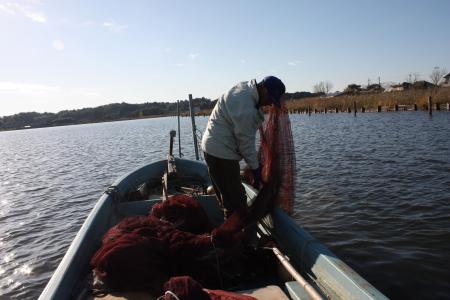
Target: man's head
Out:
[270,91]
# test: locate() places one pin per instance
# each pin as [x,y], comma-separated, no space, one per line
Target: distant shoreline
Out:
[97,122]
[93,122]
[105,113]
[387,101]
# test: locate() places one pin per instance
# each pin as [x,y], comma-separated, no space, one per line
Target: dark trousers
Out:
[226,180]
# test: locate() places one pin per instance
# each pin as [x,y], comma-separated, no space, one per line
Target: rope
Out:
[99,293]
[217,263]
[168,293]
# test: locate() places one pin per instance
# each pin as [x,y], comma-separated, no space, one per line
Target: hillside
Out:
[104,113]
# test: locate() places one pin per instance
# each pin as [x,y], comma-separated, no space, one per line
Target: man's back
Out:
[232,126]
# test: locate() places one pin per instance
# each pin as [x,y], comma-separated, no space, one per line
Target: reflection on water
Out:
[374,188]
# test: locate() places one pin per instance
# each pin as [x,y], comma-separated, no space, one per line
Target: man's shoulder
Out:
[244,89]
[245,85]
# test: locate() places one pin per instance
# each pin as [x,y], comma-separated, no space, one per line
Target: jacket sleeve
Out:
[245,124]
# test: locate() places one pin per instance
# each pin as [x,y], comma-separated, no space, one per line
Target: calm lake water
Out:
[374,188]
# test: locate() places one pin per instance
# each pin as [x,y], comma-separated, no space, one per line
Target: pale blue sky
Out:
[58,55]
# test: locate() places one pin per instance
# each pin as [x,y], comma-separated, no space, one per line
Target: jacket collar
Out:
[254,92]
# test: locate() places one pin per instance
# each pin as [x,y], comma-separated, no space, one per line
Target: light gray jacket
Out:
[232,126]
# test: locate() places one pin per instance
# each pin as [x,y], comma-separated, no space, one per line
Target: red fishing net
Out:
[141,251]
[277,158]
[131,261]
[186,288]
[184,212]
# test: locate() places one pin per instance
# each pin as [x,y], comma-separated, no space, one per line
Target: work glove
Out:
[256,177]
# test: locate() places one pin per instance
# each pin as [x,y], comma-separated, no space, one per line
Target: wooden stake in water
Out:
[194,129]
[430,106]
[354,107]
[179,133]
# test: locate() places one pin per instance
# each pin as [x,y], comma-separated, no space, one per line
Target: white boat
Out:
[324,272]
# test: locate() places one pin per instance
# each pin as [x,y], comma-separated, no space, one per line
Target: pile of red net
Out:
[145,251]
[186,288]
[185,213]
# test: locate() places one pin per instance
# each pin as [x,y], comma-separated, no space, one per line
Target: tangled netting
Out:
[186,288]
[277,158]
[174,239]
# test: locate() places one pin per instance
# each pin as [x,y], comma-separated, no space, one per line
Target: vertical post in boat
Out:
[430,106]
[179,133]
[194,129]
[172,135]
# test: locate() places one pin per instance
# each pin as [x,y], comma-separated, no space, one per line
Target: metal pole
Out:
[306,286]
[194,129]
[179,133]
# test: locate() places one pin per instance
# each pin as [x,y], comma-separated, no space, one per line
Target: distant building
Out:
[335,94]
[400,87]
[422,85]
[445,81]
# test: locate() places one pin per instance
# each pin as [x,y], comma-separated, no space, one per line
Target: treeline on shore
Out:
[114,112]
[104,113]
[295,102]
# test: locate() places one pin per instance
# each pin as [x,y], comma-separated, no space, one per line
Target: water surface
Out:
[374,188]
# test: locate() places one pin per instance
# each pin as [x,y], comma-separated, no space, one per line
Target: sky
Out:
[57,55]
